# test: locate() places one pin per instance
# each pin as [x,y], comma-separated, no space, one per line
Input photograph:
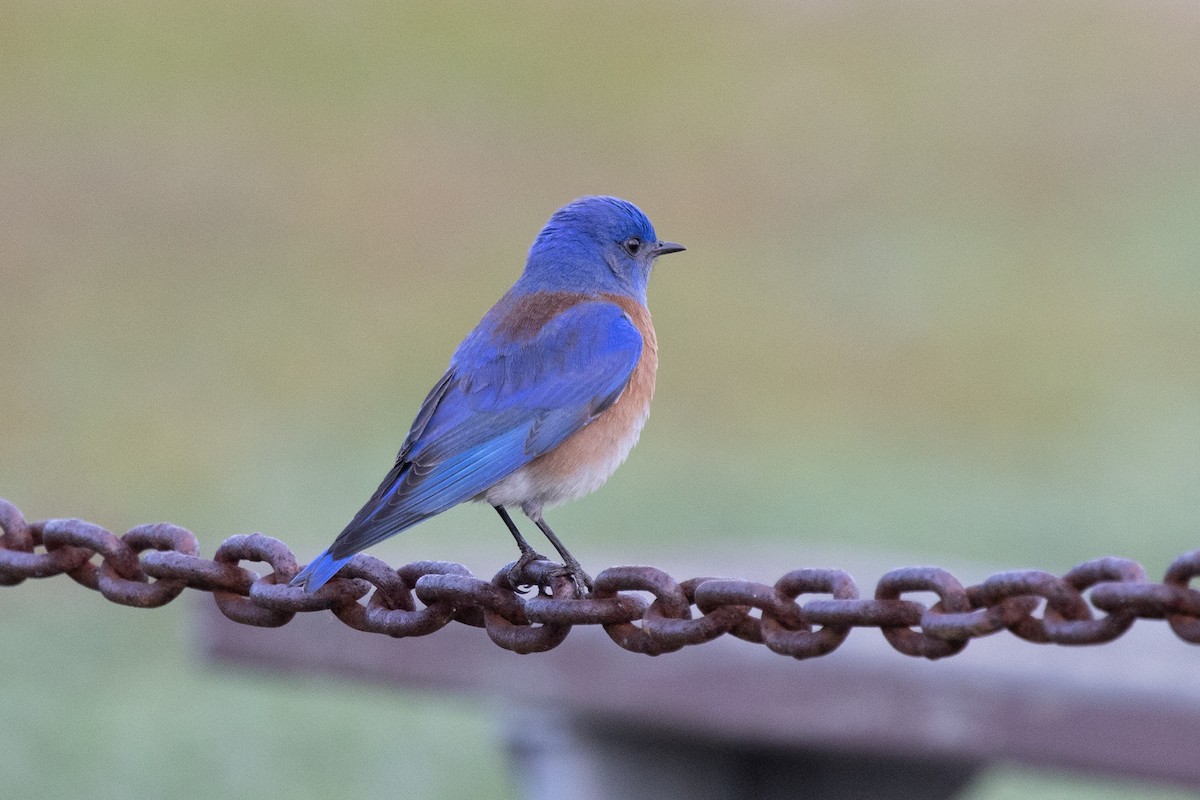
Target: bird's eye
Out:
[633,245]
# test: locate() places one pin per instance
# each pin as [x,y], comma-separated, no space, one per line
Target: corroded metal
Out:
[642,609]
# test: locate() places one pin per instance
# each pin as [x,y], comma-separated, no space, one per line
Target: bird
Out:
[542,401]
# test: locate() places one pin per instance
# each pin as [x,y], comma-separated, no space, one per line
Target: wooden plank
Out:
[1129,708]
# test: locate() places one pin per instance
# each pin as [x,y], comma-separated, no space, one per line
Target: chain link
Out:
[642,609]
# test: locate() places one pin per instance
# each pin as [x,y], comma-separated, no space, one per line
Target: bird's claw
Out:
[583,581]
[519,577]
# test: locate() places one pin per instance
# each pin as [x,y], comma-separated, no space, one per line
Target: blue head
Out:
[595,244]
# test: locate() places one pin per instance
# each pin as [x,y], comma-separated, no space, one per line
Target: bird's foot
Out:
[573,570]
[518,573]
[521,574]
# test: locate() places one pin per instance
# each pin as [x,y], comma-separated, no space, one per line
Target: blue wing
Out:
[501,404]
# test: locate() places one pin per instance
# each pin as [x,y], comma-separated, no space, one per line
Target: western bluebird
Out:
[543,400]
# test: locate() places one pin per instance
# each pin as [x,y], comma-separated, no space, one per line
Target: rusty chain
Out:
[151,565]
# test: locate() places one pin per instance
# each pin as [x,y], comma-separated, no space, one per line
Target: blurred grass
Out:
[940,299]
[98,721]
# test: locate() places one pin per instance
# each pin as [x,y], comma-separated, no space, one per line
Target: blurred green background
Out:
[940,300]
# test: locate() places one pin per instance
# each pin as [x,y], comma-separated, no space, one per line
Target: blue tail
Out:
[319,571]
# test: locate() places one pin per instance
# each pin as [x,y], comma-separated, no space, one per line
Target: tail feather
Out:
[319,571]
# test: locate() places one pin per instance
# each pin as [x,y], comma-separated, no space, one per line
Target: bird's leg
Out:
[528,554]
[573,569]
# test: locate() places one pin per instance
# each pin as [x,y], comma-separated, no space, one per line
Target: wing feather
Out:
[501,404]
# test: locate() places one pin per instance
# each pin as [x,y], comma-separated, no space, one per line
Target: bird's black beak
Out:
[662,248]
